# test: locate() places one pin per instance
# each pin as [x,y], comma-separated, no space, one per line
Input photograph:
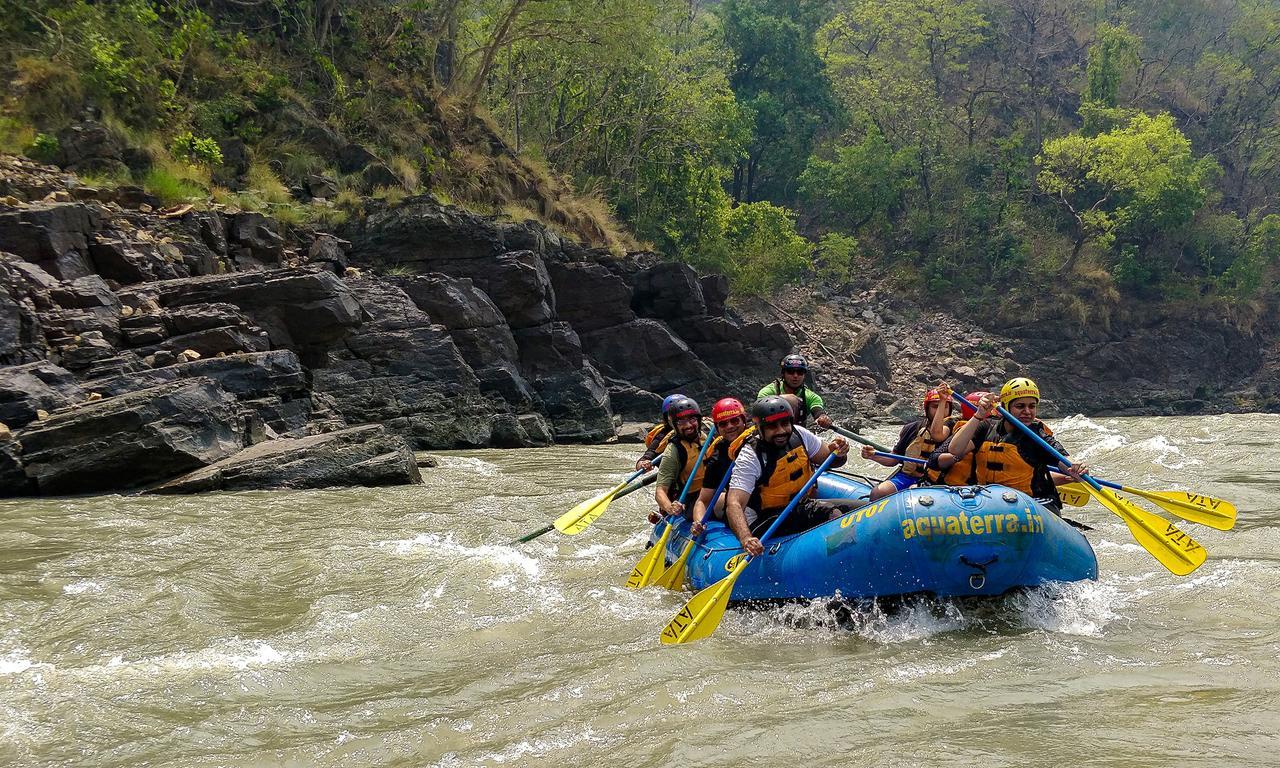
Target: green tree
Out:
[1113,55]
[779,80]
[862,181]
[1136,178]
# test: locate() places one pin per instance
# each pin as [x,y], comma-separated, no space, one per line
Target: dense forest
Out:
[1061,156]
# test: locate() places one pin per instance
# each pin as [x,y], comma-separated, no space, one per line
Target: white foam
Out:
[259,654]
[1081,422]
[16,661]
[469,464]
[501,555]
[82,587]
[539,747]
[1082,608]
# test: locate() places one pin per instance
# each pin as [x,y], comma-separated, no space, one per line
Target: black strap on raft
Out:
[978,580]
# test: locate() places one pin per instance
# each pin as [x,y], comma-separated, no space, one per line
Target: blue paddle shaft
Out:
[904,459]
[1009,417]
[795,501]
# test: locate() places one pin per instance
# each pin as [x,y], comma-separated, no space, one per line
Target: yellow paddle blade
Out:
[1175,550]
[576,520]
[1195,507]
[650,566]
[701,615]
[1074,494]
[673,577]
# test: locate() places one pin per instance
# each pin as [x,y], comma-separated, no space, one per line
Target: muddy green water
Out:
[394,627]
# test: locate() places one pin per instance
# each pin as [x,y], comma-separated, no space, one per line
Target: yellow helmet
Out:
[1016,388]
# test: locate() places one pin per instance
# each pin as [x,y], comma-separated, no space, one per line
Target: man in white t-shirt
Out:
[770,469]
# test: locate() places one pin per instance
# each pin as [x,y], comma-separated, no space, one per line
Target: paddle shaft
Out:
[899,457]
[625,489]
[855,437]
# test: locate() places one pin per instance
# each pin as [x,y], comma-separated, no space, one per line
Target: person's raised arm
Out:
[938,429]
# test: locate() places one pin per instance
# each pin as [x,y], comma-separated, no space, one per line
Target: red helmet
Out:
[975,397]
[932,396]
[727,407]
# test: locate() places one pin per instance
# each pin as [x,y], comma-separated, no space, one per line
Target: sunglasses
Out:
[732,421]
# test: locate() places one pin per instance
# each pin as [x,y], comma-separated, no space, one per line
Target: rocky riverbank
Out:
[875,353]
[186,350]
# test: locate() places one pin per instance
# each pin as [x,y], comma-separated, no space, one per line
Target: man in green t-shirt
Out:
[794,370]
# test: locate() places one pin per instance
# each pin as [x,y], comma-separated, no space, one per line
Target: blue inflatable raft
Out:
[948,541]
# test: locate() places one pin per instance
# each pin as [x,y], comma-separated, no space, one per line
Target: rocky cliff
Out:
[191,350]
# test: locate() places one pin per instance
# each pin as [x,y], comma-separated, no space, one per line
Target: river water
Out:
[395,627]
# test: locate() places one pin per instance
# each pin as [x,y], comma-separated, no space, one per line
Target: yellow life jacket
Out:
[921,447]
[686,457]
[782,475]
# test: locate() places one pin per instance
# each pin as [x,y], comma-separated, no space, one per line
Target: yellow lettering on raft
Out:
[908,529]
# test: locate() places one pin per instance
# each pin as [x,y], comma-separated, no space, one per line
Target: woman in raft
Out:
[919,439]
[984,450]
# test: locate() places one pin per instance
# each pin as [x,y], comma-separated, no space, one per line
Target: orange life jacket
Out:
[997,461]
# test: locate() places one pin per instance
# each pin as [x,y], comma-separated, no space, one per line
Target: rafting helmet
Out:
[794,363]
[666,403]
[932,396]
[1016,388]
[683,407]
[974,398]
[771,409]
[726,408]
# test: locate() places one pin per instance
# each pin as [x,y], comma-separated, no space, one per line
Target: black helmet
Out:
[772,408]
[683,407]
[794,363]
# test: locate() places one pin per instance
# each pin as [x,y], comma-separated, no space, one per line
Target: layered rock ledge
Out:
[192,350]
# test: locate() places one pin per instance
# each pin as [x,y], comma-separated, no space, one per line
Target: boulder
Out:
[90,147]
[715,291]
[52,235]
[573,393]
[422,231]
[402,370]
[25,389]
[13,481]
[667,291]
[589,296]
[479,330]
[134,439]
[321,186]
[647,354]
[126,260]
[307,310]
[367,455]
[255,237]
[377,175]
[353,158]
[85,293]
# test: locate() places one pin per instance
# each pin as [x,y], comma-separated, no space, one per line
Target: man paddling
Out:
[774,463]
[984,451]
[792,381]
[680,456]
[730,417]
